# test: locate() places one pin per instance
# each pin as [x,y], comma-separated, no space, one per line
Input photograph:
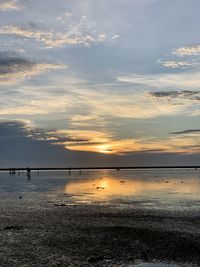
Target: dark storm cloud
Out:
[190,131]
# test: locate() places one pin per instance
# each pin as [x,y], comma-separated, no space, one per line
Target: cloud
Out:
[132,105]
[29,131]
[6,5]
[82,118]
[187,94]
[14,69]
[187,51]
[81,105]
[106,143]
[190,131]
[186,101]
[65,17]
[53,137]
[178,64]
[74,35]
[84,104]
[22,146]
[115,36]
[176,80]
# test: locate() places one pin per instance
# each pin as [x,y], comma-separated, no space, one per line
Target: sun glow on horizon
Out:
[105,149]
[105,143]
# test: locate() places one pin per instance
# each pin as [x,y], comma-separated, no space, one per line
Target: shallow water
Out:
[150,188]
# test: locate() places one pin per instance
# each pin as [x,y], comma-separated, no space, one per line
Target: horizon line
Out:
[102,168]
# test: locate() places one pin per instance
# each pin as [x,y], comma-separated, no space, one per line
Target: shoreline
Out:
[96,235]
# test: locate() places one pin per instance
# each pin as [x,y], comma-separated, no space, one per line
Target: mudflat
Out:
[96,235]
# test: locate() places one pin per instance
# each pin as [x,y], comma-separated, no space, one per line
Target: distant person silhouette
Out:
[28,176]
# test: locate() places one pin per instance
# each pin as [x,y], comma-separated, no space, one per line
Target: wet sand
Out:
[36,234]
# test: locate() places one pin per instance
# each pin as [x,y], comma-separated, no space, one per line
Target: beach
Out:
[40,231]
[97,236]
[100,133]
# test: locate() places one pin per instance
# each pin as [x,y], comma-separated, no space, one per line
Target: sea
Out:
[170,189]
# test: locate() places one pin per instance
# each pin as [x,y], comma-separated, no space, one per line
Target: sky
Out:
[93,83]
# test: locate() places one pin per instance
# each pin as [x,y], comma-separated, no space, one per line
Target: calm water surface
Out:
[149,188]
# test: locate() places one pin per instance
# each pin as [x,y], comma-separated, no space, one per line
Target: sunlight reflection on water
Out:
[112,187]
[149,188]
[152,188]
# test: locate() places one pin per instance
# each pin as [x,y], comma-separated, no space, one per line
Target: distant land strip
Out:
[101,168]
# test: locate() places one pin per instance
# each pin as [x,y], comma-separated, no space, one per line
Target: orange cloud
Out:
[105,143]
